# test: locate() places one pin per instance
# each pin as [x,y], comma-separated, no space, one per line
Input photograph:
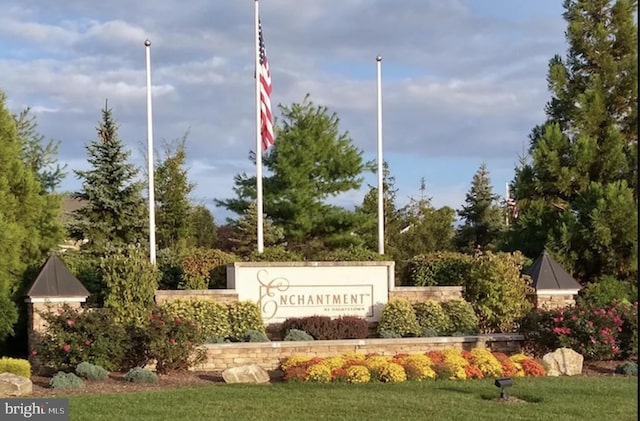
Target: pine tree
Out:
[310,162]
[578,194]
[114,211]
[204,231]
[482,217]
[39,155]
[368,229]
[245,236]
[173,207]
[28,219]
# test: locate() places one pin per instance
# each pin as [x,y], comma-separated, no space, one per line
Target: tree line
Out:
[575,189]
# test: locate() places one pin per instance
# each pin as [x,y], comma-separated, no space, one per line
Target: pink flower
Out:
[178,321]
[172,341]
[34,352]
[70,322]
[87,342]
[66,348]
[60,311]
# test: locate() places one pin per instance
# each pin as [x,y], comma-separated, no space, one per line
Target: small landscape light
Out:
[503,383]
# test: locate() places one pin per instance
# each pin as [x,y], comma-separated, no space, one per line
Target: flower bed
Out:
[450,363]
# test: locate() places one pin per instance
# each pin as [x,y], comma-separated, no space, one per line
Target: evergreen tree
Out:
[310,162]
[114,211]
[423,228]
[577,195]
[483,218]
[28,219]
[369,210]
[173,207]
[245,235]
[204,231]
[39,155]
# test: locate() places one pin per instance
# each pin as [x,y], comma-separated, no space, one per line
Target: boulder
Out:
[252,373]
[563,362]
[12,385]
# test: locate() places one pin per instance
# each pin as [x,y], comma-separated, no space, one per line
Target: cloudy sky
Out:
[463,81]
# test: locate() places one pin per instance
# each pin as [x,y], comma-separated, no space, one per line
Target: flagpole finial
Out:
[147,43]
[379,58]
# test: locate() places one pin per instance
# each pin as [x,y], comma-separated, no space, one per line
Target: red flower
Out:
[66,348]
[178,321]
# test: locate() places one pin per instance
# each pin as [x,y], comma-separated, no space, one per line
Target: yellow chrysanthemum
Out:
[486,362]
[319,373]
[353,356]
[358,374]
[392,373]
[293,361]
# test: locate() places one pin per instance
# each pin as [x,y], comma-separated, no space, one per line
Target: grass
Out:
[548,398]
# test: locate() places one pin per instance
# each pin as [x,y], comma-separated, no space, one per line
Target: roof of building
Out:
[55,280]
[547,274]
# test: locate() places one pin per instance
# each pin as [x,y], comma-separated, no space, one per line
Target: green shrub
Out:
[398,316]
[432,319]
[351,327]
[63,380]
[537,327]
[85,265]
[216,340]
[275,254]
[74,336]
[141,375]
[169,263]
[438,268]
[255,336]
[91,372]
[463,320]
[205,268]
[131,281]
[349,254]
[607,290]
[628,368]
[172,342]
[497,291]
[16,366]
[389,334]
[297,335]
[212,317]
[244,316]
[629,333]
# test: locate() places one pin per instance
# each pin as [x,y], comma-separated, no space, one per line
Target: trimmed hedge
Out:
[16,366]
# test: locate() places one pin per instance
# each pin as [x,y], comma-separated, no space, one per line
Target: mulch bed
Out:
[117,384]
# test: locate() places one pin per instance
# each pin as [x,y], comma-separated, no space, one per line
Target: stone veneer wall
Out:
[422,294]
[413,294]
[548,302]
[269,354]
[223,296]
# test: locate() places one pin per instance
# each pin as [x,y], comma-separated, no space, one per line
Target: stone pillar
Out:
[36,325]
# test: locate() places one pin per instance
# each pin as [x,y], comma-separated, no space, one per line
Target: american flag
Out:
[266,118]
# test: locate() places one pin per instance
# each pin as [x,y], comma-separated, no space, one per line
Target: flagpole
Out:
[380,162]
[259,204]
[506,190]
[152,216]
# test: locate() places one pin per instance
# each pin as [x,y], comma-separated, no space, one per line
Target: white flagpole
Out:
[152,215]
[380,163]
[507,197]
[259,204]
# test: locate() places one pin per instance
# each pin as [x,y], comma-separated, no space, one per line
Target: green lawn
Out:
[550,398]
